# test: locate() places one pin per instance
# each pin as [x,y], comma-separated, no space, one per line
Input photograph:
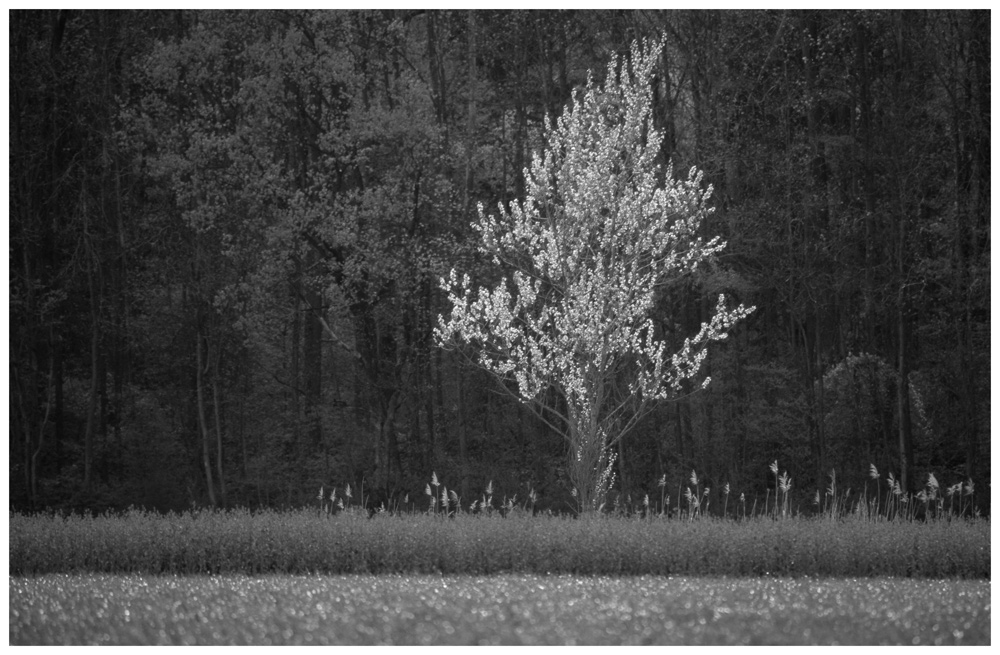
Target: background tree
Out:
[290,186]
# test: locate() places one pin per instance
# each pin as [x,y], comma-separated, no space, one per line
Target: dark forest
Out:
[227,231]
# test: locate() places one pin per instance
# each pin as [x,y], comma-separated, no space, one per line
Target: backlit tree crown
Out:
[589,246]
[587,250]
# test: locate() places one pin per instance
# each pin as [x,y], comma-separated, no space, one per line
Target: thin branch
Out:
[533,405]
[350,350]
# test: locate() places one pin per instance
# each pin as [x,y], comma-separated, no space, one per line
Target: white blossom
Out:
[588,250]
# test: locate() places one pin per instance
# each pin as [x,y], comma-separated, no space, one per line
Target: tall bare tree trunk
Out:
[49,389]
[439,435]
[463,427]
[294,390]
[428,385]
[203,426]
[463,430]
[312,360]
[470,119]
[218,423]
[903,385]
[436,69]
[88,438]
[25,429]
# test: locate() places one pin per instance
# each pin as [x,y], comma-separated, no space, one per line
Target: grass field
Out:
[304,542]
[306,577]
[882,569]
[503,609]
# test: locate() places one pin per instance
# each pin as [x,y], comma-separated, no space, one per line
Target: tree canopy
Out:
[228,230]
[600,233]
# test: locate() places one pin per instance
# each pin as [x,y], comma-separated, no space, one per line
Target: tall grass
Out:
[928,534]
[297,542]
[834,503]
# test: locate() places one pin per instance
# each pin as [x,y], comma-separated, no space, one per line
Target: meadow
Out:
[306,541]
[503,609]
[868,572]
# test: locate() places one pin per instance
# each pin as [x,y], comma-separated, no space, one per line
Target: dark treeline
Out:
[227,228]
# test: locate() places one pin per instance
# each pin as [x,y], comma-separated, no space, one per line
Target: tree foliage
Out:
[596,239]
[227,230]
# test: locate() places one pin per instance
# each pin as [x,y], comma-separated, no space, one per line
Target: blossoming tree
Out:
[602,230]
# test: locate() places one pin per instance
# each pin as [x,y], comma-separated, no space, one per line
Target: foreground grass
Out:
[304,542]
[507,609]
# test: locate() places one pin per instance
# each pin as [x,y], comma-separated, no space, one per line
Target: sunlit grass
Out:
[504,609]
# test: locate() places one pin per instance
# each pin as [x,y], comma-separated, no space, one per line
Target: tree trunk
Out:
[820,402]
[590,455]
[41,433]
[435,68]
[903,390]
[685,438]
[387,448]
[242,418]
[439,436]
[202,424]
[470,120]
[102,411]
[88,438]
[463,428]
[429,391]
[738,462]
[623,482]
[294,390]
[218,424]
[312,353]
[57,420]
[18,390]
